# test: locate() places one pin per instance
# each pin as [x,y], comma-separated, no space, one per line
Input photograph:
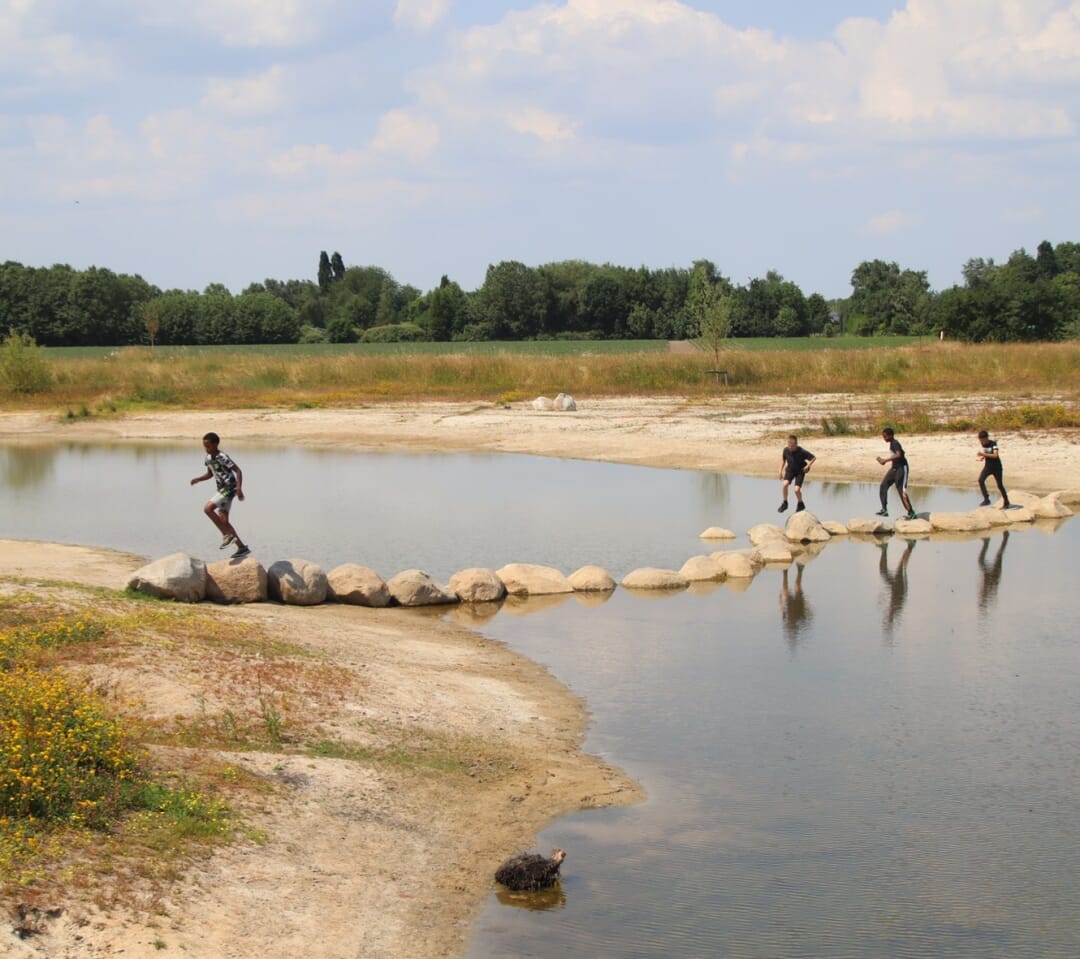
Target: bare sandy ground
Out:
[361,863]
[736,433]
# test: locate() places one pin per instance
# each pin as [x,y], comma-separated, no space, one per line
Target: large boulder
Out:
[1020,497]
[739,563]
[703,569]
[775,551]
[236,581]
[764,532]
[804,527]
[477,585]
[648,577]
[971,522]
[1006,517]
[565,403]
[1051,507]
[530,579]
[297,582]
[913,527]
[414,587]
[834,527]
[357,585]
[1070,497]
[716,532]
[873,526]
[543,403]
[591,579]
[176,576]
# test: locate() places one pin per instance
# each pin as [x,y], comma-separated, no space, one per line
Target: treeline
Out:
[1026,298]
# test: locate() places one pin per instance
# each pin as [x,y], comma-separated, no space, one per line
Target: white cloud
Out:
[541,124]
[965,68]
[406,134]
[891,221]
[243,23]
[420,14]
[246,96]
[34,52]
[660,71]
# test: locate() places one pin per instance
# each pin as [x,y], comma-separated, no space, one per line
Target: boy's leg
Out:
[1000,480]
[783,496]
[883,489]
[226,526]
[220,520]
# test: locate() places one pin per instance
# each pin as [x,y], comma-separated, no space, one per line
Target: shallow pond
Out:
[392,511]
[874,753]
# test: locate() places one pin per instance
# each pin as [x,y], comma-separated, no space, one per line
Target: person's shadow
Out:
[795,613]
[990,572]
[896,586]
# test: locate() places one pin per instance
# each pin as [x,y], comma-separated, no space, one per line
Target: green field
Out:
[494,348]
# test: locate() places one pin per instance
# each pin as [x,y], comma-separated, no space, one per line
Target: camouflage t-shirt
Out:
[222,466]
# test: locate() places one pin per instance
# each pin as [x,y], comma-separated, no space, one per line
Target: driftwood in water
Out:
[529,871]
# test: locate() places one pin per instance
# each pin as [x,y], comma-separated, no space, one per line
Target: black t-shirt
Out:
[894,448]
[796,459]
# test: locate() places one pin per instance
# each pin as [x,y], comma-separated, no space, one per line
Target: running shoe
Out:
[912,514]
[800,507]
[227,540]
[985,502]
[783,507]
[882,512]
[241,552]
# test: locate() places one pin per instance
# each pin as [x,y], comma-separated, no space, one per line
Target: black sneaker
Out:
[800,507]
[882,512]
[986,502]
[241,551]
[783,507]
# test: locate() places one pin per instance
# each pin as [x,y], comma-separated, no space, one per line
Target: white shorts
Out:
[222,500]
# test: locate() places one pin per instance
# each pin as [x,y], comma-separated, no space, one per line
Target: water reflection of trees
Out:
[715,489]
[795,612]
[990,571]
[896,586]
[25,467]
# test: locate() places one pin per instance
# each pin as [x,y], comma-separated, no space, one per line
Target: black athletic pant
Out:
[992,468]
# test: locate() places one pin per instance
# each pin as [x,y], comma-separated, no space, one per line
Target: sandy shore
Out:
[358,862]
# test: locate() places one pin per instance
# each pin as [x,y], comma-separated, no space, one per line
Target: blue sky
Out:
[231,140]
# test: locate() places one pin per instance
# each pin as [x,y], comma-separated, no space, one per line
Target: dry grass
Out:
[191,689]
[137,378]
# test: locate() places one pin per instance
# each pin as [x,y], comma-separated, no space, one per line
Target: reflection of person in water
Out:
[991,571]
[794,612]
[896,581]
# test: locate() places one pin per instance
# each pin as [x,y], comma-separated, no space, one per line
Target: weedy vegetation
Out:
[84,384]
[120,720]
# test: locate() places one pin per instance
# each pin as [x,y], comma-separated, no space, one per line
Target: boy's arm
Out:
[239,480]
[199,479]
[810,462]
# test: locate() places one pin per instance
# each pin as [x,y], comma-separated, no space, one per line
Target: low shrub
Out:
[23,367]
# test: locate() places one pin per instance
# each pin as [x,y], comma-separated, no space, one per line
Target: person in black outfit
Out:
[991,467]
[896,476]
[795,463]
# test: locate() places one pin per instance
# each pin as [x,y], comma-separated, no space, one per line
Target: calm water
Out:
[875,755]
[440,513]
[872,754]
